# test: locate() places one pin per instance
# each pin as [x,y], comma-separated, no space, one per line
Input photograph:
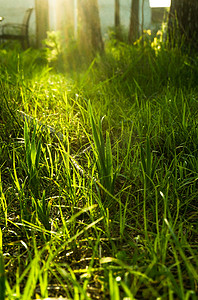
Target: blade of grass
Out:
[2,269]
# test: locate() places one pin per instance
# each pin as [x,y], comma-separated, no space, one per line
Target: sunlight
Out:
[160,3]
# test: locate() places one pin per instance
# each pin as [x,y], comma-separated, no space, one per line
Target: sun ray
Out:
[160,3]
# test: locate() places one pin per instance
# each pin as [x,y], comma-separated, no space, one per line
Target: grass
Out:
[99,171]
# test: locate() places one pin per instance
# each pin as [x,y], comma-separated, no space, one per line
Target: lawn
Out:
[98,173]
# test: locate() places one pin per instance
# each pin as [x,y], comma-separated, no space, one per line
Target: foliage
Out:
[52,46]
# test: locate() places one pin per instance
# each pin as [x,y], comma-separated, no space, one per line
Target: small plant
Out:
[52,46]
[103,154]
[149,164]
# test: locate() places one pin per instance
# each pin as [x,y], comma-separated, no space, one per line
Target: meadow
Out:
[98,173]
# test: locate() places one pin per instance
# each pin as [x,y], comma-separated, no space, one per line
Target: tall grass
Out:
[94,207]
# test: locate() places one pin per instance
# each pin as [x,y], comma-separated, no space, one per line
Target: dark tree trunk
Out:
[89,31]
[118,31]
[134,21]
[117,13]
[183,23]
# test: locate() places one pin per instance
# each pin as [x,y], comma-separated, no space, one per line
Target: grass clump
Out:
[98,182]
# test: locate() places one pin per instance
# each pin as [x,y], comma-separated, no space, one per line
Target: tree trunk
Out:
[134,21]
[117,13]
[89,30]
[118,31]
[42,20]
[183,23]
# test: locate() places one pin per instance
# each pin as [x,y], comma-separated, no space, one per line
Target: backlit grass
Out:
[98,175]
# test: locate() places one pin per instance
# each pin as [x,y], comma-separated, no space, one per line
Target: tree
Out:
[42,20]
[134,21]
[183,23]
[89,30]
[117,13]
[118,31]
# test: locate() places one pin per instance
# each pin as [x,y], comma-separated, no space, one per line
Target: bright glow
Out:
[160,3]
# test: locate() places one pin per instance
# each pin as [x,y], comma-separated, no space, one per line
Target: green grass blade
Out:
[148,158]
[2,269]
[109,163]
